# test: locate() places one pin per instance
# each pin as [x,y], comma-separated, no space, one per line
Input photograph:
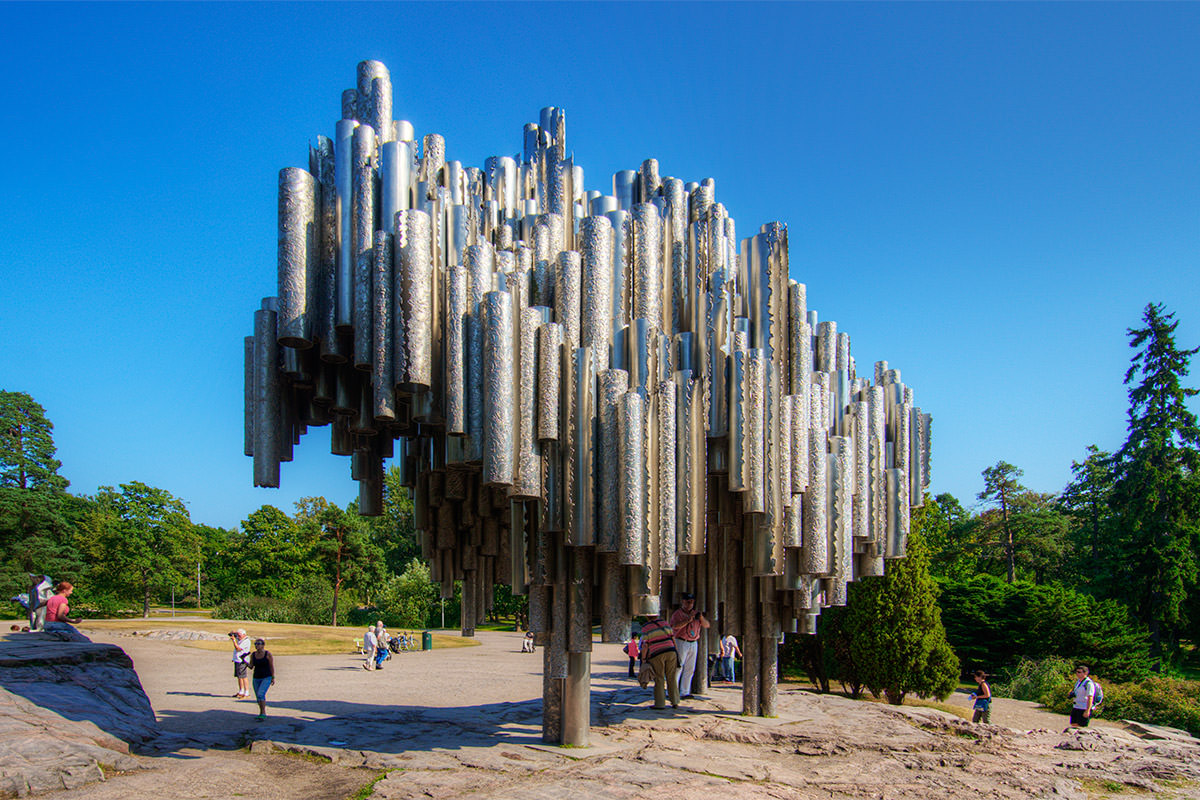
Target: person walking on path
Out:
[729,648]
[657,649]
[982,699]
[241,656]
[687,623]
[57,610]
[381,644]
[264,674]
[1084,695]
[631,650]
[369,644]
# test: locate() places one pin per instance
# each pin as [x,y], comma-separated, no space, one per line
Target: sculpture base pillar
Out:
[577,700]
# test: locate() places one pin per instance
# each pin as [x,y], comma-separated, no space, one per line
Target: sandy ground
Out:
[440,697]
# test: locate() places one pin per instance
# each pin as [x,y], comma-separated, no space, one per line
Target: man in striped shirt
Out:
[658,650]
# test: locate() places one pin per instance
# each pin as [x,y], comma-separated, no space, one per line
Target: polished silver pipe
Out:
[382,362]
[324,305]
[815,554]
[374,98]
[480,263]
[455,348]
[647,268]
[841,523]
[827,346]
[414,311]
[343,144]
[876,451]
[649,182]
[433,159]
[596,252]
[298,256]
[692,470]
[631,484]
[621,282]
[568,298]
[669,451]
[550,346]
[897,515]
[529,457]
[739,410]
[580,451]
[267,400]
[624,185]
[861,485]
[362,156]
[497,397]
[613,384]
[395,180]
[755,431]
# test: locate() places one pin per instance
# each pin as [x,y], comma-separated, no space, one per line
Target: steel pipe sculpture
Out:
[603,401]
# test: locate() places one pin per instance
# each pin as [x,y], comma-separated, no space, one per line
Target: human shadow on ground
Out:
[396,729]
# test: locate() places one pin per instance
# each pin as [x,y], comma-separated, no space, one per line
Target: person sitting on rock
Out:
[57,611]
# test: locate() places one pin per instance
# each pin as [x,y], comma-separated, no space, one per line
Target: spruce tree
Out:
[897,642]
[1001,484]
[1156,491]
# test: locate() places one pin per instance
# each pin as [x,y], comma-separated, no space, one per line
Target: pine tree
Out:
[897,642]
[27,445]
[1088,499]
[1156,492]
[1001,484]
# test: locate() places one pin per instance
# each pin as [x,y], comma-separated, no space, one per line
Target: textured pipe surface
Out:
[498,404]
[298,255]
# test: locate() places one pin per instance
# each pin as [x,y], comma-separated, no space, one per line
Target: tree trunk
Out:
[145,598]
[1009,549]
[337,585]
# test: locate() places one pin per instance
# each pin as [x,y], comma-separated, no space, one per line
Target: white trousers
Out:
[687,664]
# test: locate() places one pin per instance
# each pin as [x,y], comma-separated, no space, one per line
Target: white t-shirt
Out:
[242,654]
[369,639]
[1084,690]
[728,645]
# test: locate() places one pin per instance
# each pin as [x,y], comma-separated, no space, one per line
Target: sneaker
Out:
[261,717]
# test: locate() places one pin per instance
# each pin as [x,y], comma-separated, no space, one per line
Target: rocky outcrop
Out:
[69,710]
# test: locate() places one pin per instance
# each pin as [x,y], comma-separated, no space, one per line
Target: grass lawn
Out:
[284,640]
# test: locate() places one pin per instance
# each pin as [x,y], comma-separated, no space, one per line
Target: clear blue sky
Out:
[984,195]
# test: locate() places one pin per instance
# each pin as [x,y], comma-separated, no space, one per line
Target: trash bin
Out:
[426,640]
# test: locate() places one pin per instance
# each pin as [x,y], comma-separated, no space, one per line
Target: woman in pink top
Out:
[57,610]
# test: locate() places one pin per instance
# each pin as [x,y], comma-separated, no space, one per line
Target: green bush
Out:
[992,625]
[1042,681]
[258,609]
[312,602]
[1158,701]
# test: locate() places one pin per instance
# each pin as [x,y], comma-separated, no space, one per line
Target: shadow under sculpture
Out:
[600,400]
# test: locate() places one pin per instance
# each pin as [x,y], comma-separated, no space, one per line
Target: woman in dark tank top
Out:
[264,674]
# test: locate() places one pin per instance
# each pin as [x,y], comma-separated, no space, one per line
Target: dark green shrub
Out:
[992,625]
[258,609]
[312,602]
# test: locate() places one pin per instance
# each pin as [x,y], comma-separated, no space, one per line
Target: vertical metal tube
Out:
[816,525]
[550,345]
[630,428]
[668,478]
[568,298]
[579,493]
[498,401]
[267,400]
[480,263]
[647,272]
[613,384]
[363,170]
[455,346]
[375,98]
[754,391]
[529,457]
[249,405]
[344,180]
[382,362]
[298,256]
[596,251]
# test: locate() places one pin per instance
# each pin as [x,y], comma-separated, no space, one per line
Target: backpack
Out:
[1098,697]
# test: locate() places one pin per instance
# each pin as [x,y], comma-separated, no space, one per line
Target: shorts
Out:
[1077,717]
[261,685]
[239,669]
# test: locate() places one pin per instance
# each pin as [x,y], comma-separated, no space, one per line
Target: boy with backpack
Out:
[1086,695]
